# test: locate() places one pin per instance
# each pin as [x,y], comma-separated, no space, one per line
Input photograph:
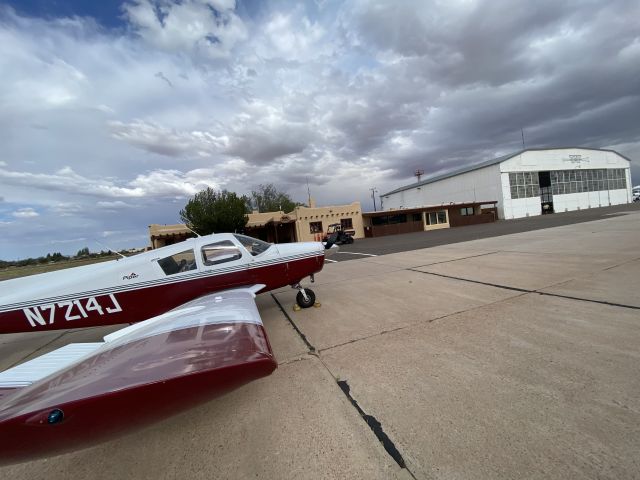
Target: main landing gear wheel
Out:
[306,302]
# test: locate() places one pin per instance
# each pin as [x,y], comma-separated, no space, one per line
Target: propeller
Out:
[330,245]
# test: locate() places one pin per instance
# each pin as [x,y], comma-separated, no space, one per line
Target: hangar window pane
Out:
[512,179]
[433,218]
[315,227]
[442,216]
[536,190]
[514,191]
[521,192]
[220,252]
[178,263]
[528,191]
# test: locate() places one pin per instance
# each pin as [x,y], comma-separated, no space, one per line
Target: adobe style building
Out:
[303,224]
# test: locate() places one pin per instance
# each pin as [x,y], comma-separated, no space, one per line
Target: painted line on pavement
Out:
[356,253]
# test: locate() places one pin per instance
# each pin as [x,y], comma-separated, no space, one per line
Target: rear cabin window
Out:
[253,245]
[178,263]
[220,252]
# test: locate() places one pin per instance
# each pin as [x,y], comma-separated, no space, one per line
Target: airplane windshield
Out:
[253,245]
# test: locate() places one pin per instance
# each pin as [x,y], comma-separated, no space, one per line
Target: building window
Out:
[466,211]
[178,263]
[595,180]
[220,252]
[397,219]
[434,218]
[383,220]
[315,227]
[346,223]
[524,184]
[416,217]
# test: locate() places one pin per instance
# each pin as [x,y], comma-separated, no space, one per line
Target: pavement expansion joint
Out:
[311,348]
[456,259]
[525,290]
[376,427]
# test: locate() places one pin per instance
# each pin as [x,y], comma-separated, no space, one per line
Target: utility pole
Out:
[374,190]
[522,132]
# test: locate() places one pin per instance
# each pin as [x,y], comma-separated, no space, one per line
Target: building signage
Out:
[577,159]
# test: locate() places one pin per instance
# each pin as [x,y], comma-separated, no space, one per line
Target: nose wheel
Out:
[305,297]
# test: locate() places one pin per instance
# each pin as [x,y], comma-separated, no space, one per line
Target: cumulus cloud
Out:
[351,95]
[166,141]
[25,213]
[207,28]
[157,183]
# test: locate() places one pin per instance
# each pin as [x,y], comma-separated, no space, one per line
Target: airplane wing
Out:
[85,393]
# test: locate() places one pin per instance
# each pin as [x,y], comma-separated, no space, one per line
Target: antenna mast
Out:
[110,249]
[418,173]
[374,190]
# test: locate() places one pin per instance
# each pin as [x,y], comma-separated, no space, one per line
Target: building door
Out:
[546,195]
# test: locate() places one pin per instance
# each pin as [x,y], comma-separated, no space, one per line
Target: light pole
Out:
[374,190]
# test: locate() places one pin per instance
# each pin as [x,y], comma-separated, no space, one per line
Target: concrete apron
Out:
[436,363]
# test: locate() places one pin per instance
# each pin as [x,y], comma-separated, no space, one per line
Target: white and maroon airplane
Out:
[198,335]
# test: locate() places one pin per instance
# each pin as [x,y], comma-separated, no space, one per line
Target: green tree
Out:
[211,211]
[83,252]
[267,198]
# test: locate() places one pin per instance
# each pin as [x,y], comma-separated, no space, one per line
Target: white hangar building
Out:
[529,182]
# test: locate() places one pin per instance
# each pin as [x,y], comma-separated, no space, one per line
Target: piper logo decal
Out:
[71,310]
[130,277]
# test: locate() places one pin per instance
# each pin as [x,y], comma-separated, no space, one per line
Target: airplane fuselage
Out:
[140,287]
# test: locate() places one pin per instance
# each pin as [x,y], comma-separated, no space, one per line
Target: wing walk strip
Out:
[153,283]
[525,290]
[31,371]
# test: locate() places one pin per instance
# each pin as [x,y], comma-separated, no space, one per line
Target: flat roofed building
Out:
[162,235]
[431,217]
[529,182]
[312,222]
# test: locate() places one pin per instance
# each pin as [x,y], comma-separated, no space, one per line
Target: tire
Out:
[310,295]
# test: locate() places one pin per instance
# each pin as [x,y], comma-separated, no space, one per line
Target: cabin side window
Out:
[178,263]
[220,252]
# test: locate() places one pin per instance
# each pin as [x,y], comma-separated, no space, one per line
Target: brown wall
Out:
[457,220]
[382,230]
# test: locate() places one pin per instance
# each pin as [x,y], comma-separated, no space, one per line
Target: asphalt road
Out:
[414,241]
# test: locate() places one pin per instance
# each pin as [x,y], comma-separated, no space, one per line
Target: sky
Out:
[114,113]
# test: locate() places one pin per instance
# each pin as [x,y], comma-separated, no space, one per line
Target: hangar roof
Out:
[487,163]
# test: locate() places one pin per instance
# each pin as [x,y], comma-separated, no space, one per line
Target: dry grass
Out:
[15,272]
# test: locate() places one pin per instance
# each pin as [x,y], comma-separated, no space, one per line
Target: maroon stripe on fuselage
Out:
[140,304]
[131,385]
